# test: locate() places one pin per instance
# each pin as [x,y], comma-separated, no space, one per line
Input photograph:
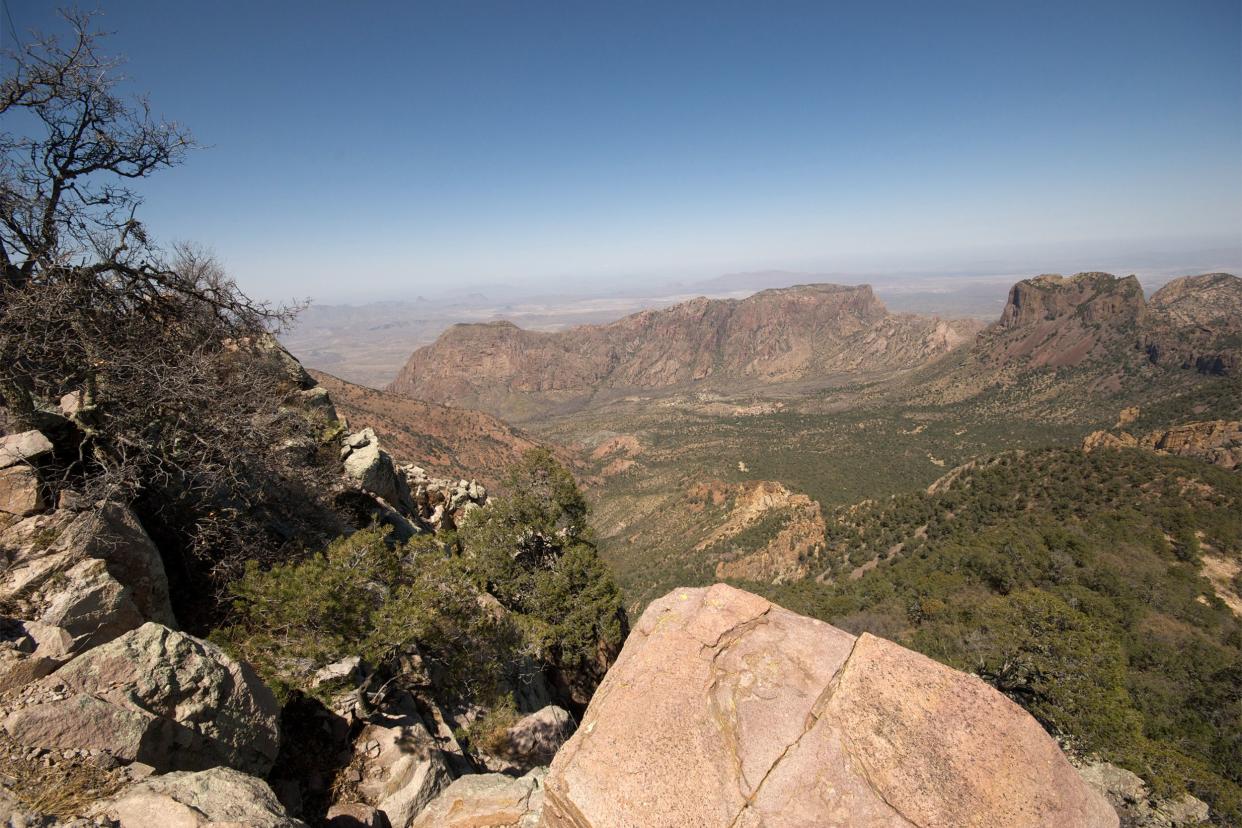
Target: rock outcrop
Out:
[420,502]
[212,798]
[155,696]
[487,800]
[450,443]
[1055,322]
[805,332]
[94,574]
[1134,802]
[724,709]
[1218,442]
[439,502]
[797,532]
[373,468]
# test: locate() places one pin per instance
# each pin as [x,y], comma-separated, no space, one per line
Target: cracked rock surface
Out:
[726,710]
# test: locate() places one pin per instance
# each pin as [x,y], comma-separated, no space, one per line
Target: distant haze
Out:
[367,343]
[382,150]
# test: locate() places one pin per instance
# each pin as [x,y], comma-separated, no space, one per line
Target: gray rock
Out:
[487,799]
[44,550]
[1129,794]
[23,447]
[402,770]
[112,532]
[34,650]
[373,469]
[346,671]
[21,492]
[71,403]
[317,399]
[356,815]
[91,605]
[214,798]
[155,696]
[532,741]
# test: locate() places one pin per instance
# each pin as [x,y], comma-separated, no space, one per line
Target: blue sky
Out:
[387,149]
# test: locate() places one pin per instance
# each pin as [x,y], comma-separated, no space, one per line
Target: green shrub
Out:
[490,732]
[1063,667]
[363,597]
[1072,583]
[532,551]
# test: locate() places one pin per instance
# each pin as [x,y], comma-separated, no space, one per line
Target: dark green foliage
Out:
[576,608]
[362,597]
[1071,582]
[532,551]
[1059,663]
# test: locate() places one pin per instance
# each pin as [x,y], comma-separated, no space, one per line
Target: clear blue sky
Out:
[389,148]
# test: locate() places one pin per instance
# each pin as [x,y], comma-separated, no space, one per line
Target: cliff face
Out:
[788,334]
[1052,322]
[1091,297]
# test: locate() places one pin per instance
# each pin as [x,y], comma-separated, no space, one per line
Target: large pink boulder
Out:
[726,710]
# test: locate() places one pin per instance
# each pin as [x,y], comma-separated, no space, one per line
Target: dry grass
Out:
[66,788]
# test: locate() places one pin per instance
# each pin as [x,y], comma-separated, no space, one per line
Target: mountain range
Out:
[805,333]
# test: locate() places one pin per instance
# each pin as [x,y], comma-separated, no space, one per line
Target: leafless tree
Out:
[178,383]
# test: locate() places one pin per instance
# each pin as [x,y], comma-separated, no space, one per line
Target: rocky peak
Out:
[1206,300]
[1052,321]
[1095,297]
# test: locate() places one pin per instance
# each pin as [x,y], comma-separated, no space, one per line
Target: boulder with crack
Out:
[155,696]
[725,710]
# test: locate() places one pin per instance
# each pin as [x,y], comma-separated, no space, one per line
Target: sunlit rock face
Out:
[726,710]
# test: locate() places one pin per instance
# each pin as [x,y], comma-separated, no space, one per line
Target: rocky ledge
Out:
[1218,442]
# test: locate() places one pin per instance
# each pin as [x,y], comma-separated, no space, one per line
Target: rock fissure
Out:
[947,749]
[812,718]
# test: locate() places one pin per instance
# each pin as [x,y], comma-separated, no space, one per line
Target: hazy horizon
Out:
[382,150]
